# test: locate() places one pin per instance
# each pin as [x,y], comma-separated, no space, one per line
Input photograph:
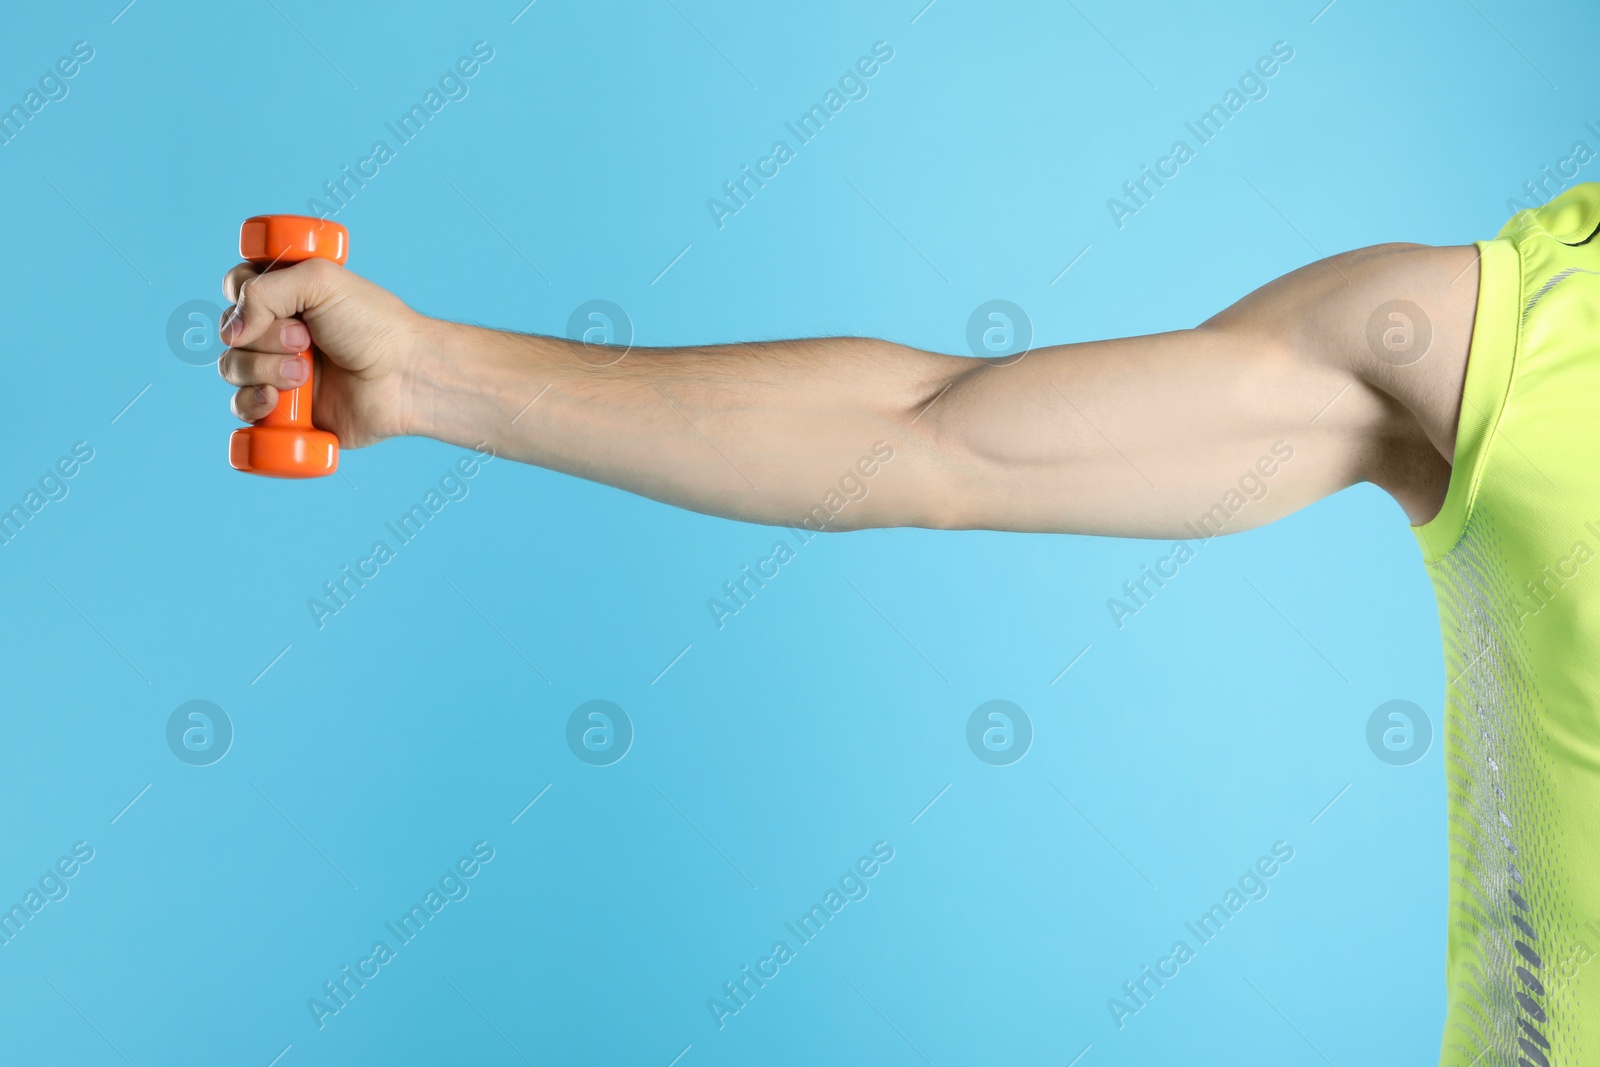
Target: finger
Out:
[265,299]
[244,367]
[235,278]
[253,402]
[283,335]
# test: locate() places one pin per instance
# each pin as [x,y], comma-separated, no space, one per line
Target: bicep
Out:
[1221,428]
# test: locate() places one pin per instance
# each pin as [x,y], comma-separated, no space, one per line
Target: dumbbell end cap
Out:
[283,452]
[292,239]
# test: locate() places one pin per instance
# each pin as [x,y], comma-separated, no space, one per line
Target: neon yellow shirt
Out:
[1514,556]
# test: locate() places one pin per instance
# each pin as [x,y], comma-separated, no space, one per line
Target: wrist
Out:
[423,374]
[459,380]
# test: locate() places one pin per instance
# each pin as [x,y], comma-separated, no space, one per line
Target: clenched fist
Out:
[367,338]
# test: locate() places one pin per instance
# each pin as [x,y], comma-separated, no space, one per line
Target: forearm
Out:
[761,431]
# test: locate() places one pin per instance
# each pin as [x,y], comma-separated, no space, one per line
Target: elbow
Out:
[939,461]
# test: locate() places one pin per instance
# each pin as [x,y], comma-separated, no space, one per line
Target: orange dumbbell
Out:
[284,444]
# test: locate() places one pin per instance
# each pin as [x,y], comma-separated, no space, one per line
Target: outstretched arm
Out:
[1280,400]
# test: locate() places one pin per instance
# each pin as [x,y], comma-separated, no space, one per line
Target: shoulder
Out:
[1408,319]
[1395,322]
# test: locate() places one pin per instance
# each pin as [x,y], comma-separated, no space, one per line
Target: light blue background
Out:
[776,751]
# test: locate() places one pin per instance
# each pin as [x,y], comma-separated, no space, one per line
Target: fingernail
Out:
[294,335]
[293,369]
[261,394]
[232,321]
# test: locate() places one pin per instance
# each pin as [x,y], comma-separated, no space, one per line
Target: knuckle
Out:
[250,285]
[320,272]
[252,401]
[241,367]
[233,282]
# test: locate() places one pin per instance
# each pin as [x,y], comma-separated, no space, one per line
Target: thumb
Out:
[261,299]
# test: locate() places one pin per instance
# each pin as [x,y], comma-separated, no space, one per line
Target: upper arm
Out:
[1263,409]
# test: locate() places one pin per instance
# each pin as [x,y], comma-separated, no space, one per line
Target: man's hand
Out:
[368,338]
